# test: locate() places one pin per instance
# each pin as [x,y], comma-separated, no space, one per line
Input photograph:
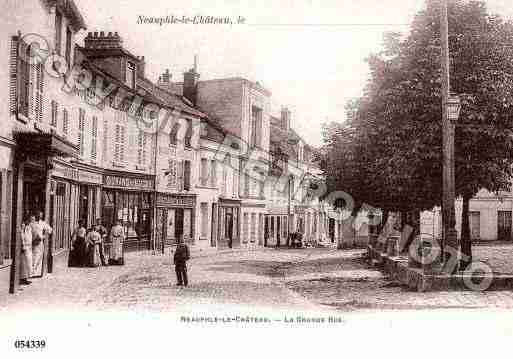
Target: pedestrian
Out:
[93,240]
[117,237]
[77,256]
[42,234]
[26,252]
[103,234]
[182,255]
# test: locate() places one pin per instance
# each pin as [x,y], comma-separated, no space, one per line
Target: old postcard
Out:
[239,178]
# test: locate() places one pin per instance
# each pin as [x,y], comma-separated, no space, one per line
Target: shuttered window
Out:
[38,93]
[105,138]
[141,148]
[81,126]
[15,73]
[55,111]
[186,175]
[119,143]
[65,121]
[204,171]
[213,173]
[172,174]
[94,138]
[58,32]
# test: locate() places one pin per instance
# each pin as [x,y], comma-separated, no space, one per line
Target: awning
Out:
[46,144]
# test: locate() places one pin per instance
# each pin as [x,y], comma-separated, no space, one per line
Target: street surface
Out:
[284,279]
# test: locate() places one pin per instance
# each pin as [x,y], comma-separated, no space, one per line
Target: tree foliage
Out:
[388,153]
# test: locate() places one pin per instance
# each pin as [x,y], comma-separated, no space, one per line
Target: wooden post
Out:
[16,224]
[47,251]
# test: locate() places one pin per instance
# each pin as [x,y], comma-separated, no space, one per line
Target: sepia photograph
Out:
[300,178]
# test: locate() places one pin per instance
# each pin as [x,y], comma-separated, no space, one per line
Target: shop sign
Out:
[175,201]
[89,177]
[66,172]
[128,182]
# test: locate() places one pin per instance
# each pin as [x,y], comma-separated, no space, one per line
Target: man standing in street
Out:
[41,231]
[182,255]
[103,234]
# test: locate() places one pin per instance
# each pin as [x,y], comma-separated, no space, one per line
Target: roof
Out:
[171,99]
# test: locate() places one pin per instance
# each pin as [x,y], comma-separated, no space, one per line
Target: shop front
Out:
[276,227]
[228,219]
[35,190]
[176,214]
[128,198]
[66,205]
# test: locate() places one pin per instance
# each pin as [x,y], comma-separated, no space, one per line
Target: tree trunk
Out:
[466,242]
[384,220]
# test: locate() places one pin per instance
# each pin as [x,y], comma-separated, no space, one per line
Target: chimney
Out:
[285,118]
[101,41]
[190,82]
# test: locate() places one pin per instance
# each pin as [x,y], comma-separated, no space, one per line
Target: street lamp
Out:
[453,108]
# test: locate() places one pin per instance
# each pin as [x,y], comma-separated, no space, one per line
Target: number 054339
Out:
[30,343]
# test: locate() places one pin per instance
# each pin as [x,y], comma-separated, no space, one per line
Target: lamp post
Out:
[450,113]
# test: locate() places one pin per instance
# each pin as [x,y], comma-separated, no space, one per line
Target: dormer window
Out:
[130,74]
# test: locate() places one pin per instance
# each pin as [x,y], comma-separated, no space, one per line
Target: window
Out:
[213,173]
[105,138]
[53,120]
[256,127]
[81,125]
[225,181]
[186,175]
[119,144]
[188,134]
[245,225]
[141,151]
[94,138]
[203,171]
[68,46]
[292,188]
[130,74]
[253,228]
[172,174]
[235,186]
[58,32]
[204,220]
[65,121]
[173,135]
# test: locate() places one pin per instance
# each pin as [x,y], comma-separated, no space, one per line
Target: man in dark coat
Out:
[182,255]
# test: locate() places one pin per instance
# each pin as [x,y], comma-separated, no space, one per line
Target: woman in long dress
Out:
[117,237]
[26,252]
[78,253]
[93,240]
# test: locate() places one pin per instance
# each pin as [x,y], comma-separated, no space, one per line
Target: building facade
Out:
[86,135]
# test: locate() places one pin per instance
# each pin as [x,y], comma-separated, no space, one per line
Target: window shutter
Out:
[122,142]
[13,75]
[39,92]
[65,121]
[116,143]
[94,137]
[180,175]
[105,138]
[187,175]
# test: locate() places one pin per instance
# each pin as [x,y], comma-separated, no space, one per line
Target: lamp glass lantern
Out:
[453,108]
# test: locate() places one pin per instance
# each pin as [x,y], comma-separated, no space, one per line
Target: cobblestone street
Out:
[302,279]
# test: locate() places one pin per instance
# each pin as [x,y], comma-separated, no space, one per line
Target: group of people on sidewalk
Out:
[94,247]
[34,237]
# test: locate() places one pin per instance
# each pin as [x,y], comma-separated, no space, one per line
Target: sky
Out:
[309,54]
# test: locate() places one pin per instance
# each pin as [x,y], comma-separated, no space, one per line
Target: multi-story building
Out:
[87,135]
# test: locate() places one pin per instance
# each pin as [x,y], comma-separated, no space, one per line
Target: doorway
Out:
[504,226]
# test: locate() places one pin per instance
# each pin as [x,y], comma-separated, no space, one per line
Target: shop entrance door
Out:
[229,228]
[178,223]
[33,192]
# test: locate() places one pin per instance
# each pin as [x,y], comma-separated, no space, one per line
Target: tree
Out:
[389,151]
